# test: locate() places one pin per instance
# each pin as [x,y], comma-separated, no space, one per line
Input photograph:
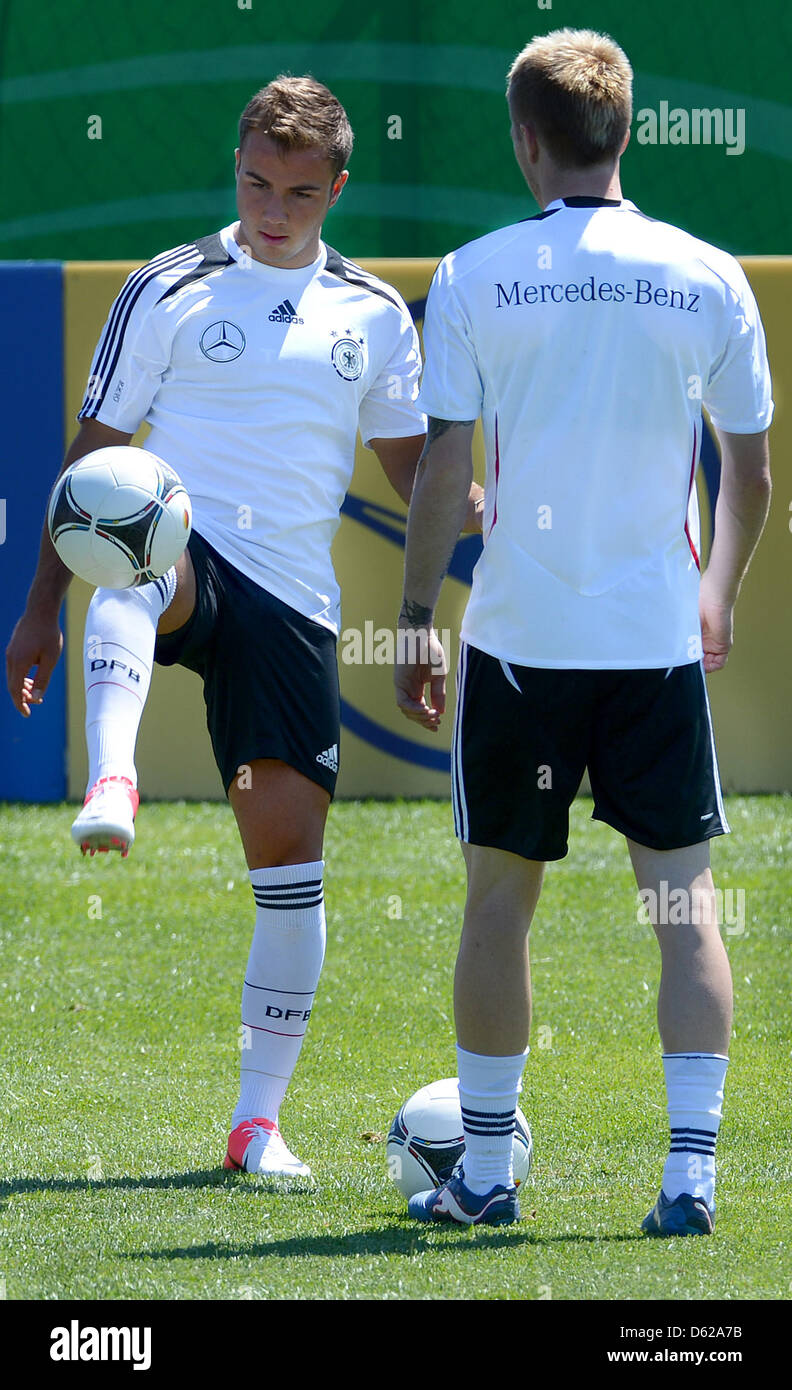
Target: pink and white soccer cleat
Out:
[256,1146]
[107,819]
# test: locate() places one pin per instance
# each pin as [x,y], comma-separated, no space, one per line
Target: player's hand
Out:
[36,641]
[717,629]
[420,661]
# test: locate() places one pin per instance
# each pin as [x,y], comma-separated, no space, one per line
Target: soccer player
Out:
[587,338]
[254,354]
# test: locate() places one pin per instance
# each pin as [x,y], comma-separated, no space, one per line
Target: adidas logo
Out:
[329,758]
[285,313]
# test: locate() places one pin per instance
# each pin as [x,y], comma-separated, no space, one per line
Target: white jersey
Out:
[254,380]
[588,338]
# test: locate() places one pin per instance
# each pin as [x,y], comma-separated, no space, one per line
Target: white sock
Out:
[120,631]
[488,1092]
[283,971]
[694,1086]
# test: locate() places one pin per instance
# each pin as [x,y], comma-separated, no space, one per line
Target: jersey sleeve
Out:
[738,394]
[132,354]
[451,388]
[389,410]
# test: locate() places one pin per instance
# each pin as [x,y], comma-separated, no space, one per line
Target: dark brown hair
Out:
[299,113]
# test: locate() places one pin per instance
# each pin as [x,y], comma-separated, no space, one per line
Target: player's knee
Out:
[280,813]
[499,882]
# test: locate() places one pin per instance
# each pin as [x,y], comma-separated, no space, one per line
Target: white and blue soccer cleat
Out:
[681,1216]
[454,1202]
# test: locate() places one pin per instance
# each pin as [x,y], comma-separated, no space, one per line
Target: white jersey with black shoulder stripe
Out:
[254,381]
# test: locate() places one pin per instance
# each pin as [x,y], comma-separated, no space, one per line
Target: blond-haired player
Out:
[587,339]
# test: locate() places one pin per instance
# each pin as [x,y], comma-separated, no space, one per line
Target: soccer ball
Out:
[119,517]
[426,1140]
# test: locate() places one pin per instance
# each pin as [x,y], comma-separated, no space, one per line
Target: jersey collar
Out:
[588,202]
[270,272]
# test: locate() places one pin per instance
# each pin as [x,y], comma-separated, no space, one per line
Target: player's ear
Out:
[338,184]
[530,142]
[237,161]
[625,142]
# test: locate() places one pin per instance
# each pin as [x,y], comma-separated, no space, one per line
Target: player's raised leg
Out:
[281,816]
[694,1017]
[492,1009]
[120,631]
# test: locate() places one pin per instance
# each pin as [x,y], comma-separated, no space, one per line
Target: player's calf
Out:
[120,631]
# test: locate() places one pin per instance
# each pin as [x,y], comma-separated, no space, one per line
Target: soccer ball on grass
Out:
[426,1139]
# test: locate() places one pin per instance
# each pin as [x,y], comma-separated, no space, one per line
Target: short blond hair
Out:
[575,87]
[299,113]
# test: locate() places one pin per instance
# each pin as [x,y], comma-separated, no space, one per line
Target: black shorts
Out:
[270,676]
[524,736]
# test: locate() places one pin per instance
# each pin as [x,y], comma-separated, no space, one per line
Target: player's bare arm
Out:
[438,509]
[740,515]
[37,639]
[400,458]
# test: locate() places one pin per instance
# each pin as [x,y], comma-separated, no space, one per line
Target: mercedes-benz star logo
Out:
[222,341]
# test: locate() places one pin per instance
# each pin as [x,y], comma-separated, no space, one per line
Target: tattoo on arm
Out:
[437,427]
[416,613]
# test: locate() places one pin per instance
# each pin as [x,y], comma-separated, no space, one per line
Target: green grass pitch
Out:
[119,1018]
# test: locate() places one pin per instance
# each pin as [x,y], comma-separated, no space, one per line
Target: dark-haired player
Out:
[255,355]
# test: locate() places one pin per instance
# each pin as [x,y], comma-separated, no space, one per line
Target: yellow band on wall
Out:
[750,699]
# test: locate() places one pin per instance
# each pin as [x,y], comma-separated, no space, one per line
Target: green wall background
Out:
[169,77]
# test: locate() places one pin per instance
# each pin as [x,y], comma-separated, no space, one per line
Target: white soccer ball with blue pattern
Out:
[119,517]
[426,1140]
